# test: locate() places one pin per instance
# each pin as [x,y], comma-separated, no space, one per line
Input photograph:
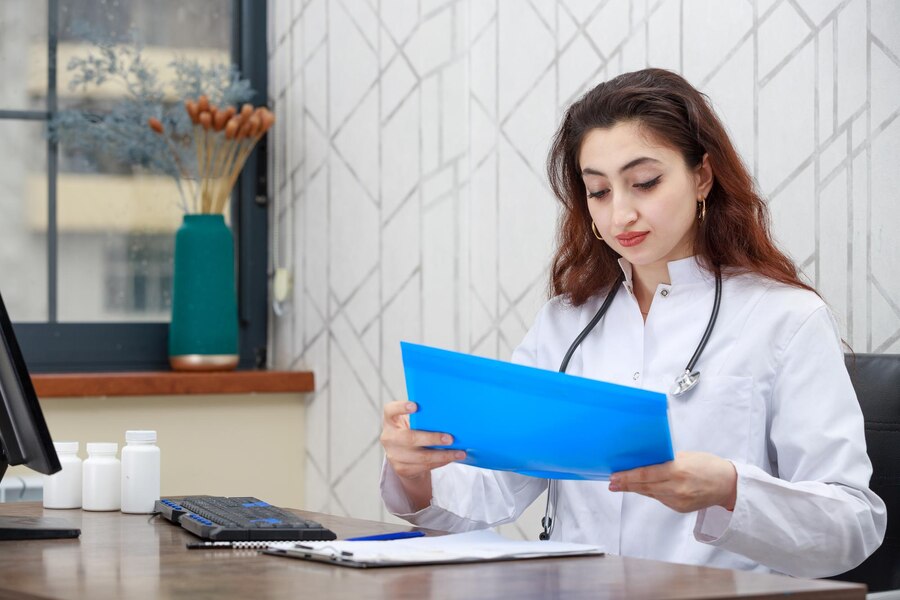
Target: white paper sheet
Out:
[459,547]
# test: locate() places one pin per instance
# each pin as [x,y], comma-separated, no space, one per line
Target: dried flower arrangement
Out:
[202,147]
[223,139]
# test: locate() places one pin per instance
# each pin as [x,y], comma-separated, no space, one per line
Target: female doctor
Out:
[661,222]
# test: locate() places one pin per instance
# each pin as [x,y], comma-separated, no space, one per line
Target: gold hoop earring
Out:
[701,205]
[596,233]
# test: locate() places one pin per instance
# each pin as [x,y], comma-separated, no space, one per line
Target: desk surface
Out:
[138,556]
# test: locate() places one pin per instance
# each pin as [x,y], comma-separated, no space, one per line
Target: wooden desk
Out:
[137,556]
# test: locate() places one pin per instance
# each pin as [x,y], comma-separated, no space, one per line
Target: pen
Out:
[383,537]
[199,545]
[208,545]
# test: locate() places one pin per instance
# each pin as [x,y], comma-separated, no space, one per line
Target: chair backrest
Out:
[876,378]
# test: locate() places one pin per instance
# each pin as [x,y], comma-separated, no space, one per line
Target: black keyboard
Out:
[221,518]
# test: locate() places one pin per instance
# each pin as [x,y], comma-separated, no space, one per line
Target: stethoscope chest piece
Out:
[685,383]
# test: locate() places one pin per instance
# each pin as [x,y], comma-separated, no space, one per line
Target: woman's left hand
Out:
[693,481]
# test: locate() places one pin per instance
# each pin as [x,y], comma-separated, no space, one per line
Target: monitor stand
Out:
[32,528]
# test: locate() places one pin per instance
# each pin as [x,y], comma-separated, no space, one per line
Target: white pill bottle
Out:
[102,481]
[63,489]
[140,472]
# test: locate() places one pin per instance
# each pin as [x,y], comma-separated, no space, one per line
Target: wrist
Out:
[418,490]
[730,495]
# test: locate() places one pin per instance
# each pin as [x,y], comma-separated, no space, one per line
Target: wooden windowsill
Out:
[169,383]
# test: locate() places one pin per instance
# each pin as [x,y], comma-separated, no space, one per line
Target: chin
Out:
[646,254]
[639,257]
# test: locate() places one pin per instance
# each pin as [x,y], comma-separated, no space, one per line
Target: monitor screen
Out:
[24,437]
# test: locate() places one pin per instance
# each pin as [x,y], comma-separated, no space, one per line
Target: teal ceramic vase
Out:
[203,333]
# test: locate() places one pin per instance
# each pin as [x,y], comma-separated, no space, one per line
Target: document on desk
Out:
[473,546]
[532,421]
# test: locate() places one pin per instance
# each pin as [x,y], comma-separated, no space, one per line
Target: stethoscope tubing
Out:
[709,326]
[593,323]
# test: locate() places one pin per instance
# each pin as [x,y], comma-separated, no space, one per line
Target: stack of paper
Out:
[473,546]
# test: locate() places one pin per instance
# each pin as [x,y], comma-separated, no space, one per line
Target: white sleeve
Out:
[818,517]
[466,497]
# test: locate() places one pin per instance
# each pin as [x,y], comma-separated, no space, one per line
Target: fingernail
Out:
[613,480]
[446,439]
[410,406]
[460,455]
[613,487]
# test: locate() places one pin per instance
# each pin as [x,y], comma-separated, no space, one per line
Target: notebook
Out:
[532,421]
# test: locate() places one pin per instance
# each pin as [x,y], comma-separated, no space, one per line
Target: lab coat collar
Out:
[681,272]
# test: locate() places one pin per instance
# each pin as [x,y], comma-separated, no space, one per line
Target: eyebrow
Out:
[638,161]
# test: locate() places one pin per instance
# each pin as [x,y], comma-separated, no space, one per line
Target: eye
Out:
[648,184]
[598,194]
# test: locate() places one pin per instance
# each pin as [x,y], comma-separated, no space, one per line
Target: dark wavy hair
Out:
[734,236]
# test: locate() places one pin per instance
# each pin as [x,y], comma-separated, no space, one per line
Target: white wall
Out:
[412,204]
[220,444]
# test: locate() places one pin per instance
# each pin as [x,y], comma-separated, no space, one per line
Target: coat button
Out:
[636,375]
[664,293]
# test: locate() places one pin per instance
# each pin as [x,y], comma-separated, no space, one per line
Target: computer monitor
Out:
[24,437]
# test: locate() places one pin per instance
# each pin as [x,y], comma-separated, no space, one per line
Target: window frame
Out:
[54,347]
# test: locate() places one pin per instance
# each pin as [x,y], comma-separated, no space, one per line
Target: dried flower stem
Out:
[227,155]
[207,155]
[244,150]
[198,145]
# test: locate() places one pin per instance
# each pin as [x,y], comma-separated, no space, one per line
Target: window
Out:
[138,277]
[86,240]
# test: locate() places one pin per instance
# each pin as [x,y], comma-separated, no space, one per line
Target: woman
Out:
[771,471]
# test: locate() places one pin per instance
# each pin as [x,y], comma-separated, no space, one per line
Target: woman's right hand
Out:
[406,451]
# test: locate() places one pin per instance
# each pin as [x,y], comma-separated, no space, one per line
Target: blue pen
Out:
[383,537]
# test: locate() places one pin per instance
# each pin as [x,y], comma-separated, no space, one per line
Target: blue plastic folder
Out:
[535,422]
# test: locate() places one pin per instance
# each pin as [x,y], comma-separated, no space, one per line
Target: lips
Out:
[632,238]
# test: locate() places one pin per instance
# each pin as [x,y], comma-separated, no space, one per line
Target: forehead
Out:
[608,149]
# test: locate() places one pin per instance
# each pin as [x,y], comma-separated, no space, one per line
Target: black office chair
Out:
[876,378]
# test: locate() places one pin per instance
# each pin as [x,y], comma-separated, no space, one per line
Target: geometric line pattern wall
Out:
[408,173]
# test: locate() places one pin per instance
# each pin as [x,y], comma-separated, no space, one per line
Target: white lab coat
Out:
[774,398]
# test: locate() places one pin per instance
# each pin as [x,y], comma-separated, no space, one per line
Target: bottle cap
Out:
[66,447]
[102,448]
[140,435]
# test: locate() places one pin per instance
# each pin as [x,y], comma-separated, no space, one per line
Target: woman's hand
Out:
[693,481]
[406,452]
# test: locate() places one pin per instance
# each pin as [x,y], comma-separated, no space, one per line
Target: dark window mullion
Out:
[52,161]
[250,211]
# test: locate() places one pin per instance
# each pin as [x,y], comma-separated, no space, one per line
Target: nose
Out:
[624,213]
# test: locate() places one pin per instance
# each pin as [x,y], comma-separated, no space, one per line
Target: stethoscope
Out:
[683,383]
